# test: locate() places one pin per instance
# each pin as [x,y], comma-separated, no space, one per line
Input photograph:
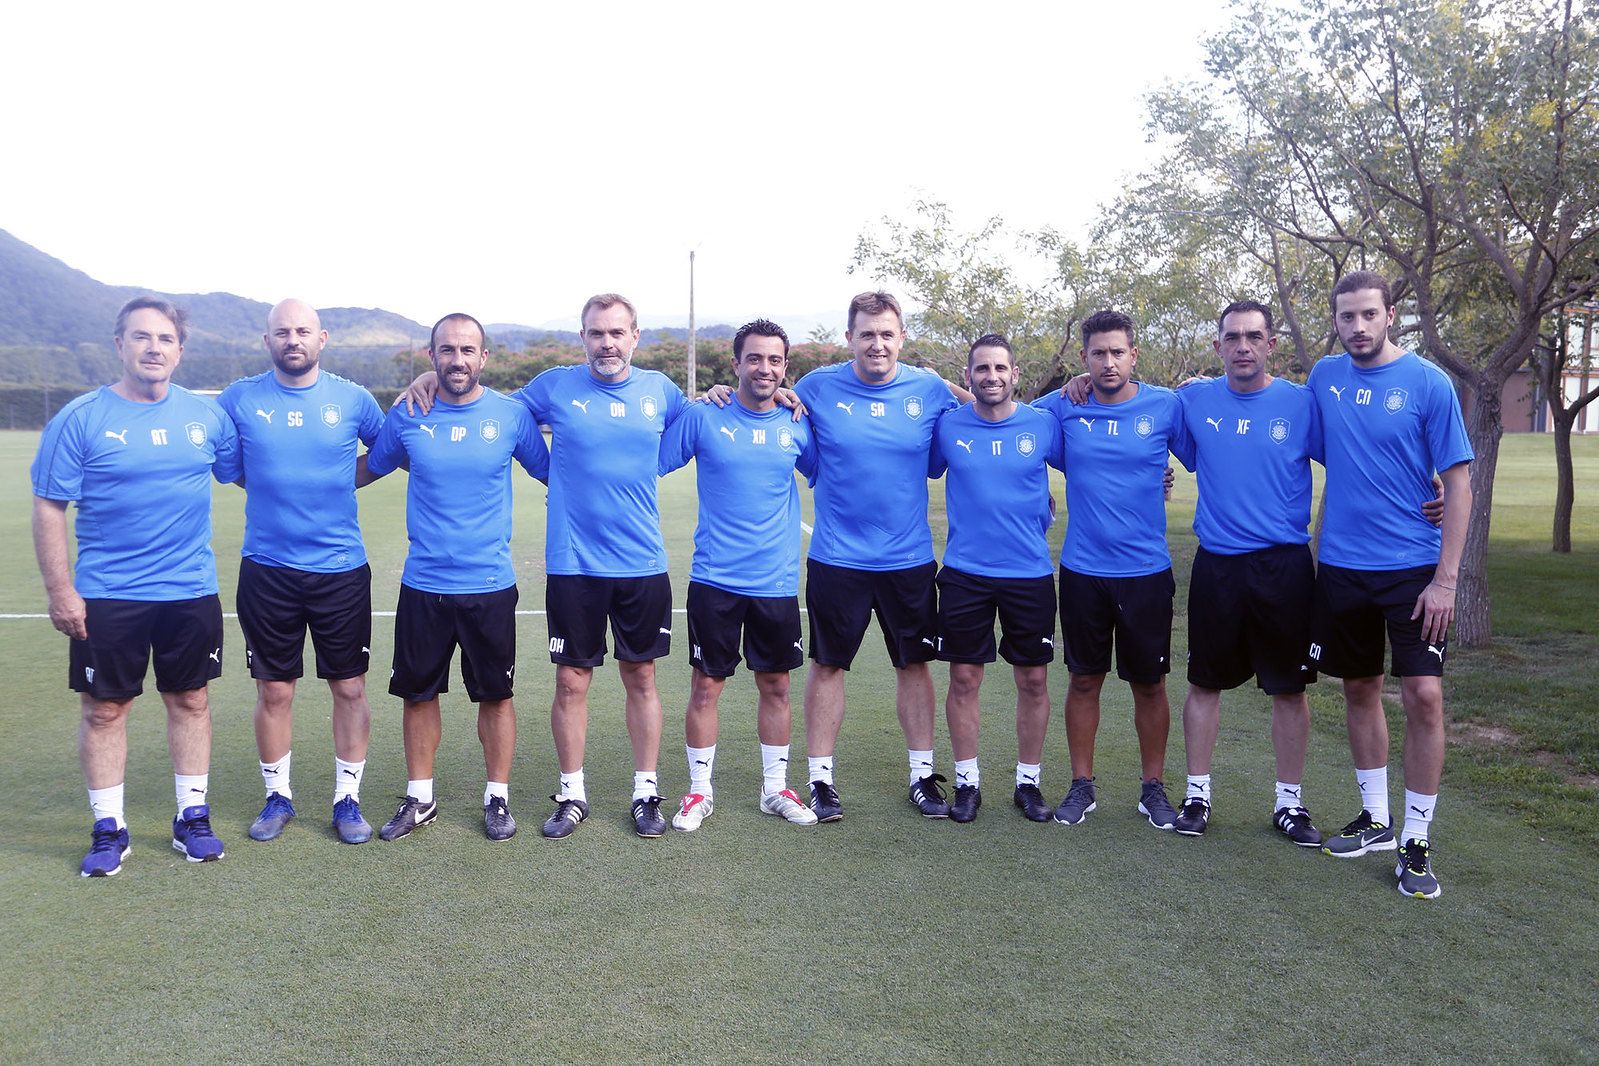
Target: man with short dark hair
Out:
[1390,420]
[1116,583]
[304,563]
[745,574]
[459,586]
[136,458]
[996,454]
[872,549]
[1249,438]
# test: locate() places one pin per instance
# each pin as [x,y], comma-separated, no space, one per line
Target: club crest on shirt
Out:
[1279,429]
[1143,425]
[1393,401]
[913,407]
[195,431]
[646,407]
[785,438]
[489,429]
[1026,443]
[331,414]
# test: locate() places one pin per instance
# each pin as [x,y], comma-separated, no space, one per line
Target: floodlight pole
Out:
[693,360]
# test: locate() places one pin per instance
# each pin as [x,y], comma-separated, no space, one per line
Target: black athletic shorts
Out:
[839,601]
[770,625]
[1134,613]
[278,603]
[1249,614]
[968,604]
[184,636]
[428,626]
[1352,609]
[638,608]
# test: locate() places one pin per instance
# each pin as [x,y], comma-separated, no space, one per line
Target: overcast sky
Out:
[510,160]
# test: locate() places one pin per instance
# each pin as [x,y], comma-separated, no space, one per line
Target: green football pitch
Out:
[882,938]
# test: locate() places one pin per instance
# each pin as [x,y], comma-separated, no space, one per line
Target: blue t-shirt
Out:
[604,520]
[300,445]
[1251,451]
[1115,481]
[458,501]
[997,493]
[1384,433]
[140,474]
[871,481]
[747,540]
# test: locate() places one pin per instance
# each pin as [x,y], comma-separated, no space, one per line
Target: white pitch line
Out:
[808,530]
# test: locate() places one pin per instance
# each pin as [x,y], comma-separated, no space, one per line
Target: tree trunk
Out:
[1473,622]
[1565,481]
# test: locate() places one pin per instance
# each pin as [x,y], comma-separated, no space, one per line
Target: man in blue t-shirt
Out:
[1249,437]
[1116,583]
[304,564]
[996,453]
[458,588]
[744,579]
[872,549]
[1389,421]
[137,458]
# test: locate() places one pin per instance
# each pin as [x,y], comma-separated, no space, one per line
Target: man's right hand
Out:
[419,393]
[69,615]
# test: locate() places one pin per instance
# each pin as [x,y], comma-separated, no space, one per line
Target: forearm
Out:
[50,546]
[1457,519]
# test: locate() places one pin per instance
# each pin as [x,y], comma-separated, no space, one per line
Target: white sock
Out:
[1198,788]
[190,789]
[501,789]
[644,784]
[1289,794]
[347,779]
[1374,792]
[821,768]
[276,776]
[572,787]
[1029,773]
[774,768]
[921,765]
[1419,810]
[107,803]
[966,773]
[421,791]
[700,763]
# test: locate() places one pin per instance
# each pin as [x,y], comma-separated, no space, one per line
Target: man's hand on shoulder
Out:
[420,393]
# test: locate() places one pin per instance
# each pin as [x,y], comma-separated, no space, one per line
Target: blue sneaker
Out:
[277,813]
[348,823]
[191,834]
[110,847]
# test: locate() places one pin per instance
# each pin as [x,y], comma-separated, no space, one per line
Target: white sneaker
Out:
[786,804]
[696,808]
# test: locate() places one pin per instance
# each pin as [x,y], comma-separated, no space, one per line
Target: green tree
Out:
[1453,144]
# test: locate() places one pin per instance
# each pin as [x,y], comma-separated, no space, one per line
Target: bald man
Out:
[304,564]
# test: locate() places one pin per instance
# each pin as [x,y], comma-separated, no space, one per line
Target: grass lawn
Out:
[882,938]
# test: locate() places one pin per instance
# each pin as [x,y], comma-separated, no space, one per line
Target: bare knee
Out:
[104,714]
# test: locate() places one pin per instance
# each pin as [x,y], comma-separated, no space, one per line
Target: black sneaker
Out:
[1153,804]
[497,820]
[1031,802]
[1358,837]
[1078,802]
[647,818]
[967,799]
[412,813]
[1295,824]
[568,812]
[928,798]
[1415,871]
[825,802]
[1194,817]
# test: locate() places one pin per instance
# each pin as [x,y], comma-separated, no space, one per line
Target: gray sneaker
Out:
[1358,837]
[1415,871]
[1153,804]
[1078,802]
